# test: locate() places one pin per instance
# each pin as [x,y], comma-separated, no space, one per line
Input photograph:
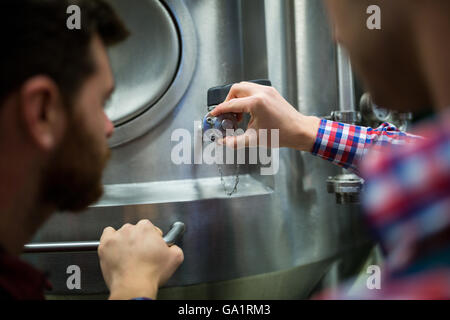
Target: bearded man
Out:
[54,83]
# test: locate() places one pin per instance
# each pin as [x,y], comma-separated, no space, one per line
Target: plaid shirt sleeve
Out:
[345,144]
[406,201]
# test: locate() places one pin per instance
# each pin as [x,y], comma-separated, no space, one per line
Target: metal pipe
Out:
[345,186]
[175,234]
[345,81]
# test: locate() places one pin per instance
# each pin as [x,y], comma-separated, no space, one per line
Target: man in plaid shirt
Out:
[407,177]
[406,197]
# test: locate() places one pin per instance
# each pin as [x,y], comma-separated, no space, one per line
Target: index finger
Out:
[238,105]
[243,89]
[107,232]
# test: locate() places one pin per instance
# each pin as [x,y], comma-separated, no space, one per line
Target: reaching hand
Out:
[268,110]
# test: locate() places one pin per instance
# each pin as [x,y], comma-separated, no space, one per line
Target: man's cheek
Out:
[94,120]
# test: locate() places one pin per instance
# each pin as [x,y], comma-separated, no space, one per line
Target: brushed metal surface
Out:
[159,111]
[140,76]
[296,224]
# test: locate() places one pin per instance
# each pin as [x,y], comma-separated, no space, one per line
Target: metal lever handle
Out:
[173,236]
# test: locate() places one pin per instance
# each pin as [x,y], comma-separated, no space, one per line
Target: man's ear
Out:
[42,112]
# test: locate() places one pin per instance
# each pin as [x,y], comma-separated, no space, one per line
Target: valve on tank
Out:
[223,125]
[215,127]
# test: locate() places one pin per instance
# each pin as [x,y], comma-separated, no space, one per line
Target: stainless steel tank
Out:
[278,236]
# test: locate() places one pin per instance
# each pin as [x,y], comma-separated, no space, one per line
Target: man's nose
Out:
[109,126]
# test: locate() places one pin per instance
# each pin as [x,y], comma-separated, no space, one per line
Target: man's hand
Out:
[268,110]
[136,261]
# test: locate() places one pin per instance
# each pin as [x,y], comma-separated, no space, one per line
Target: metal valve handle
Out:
[173,236]
[214,127]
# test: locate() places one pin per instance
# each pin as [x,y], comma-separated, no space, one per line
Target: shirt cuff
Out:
[340,143]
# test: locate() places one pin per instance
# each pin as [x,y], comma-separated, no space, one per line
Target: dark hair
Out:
[36,41]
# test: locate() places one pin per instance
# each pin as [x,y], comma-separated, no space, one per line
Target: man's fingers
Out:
[241,98]
[178,253]
[145,222]
[239,105]
[107,232]
[125,227]
[242,90]
[159,230]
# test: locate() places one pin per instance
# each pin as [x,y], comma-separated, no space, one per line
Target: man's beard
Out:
[73,178]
